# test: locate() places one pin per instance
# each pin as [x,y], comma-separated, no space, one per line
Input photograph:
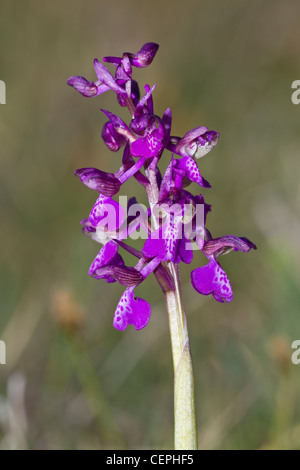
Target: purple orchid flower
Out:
[174,224]
[89,89]
[195,143]
[112,139]
[106,183]
[134,310]
[142,59]
[211,278]
[109,265]
[131,311]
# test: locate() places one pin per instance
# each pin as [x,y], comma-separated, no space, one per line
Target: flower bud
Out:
[145,56]
[106,183]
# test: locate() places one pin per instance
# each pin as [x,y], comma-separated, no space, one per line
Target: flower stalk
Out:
[185,428]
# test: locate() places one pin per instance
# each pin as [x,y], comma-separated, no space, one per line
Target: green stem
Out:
[185,434]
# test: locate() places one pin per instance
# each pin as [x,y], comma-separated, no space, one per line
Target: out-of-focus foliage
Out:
[71,381]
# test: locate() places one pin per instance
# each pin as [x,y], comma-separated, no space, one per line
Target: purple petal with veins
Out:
[119,125]
[148,146]
[166,183]
[131,311]
[191,170]
[112,60]
[155,245]
[142,59]
[222,245]
[164,242]
[150,105]
[144,99]
[172,236]
[108,212]
[141,122]
[106,77]
[121,76]
[124,275]
[86,88]
[112,139]
[185,251]
[195,143]
[116,121]
[106,183]
[145,56]
[107,255]
[212,279]
[132,170]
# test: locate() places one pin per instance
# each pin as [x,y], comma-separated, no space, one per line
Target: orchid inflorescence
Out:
[175,221]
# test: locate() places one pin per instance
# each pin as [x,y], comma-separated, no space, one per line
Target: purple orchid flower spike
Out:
[211,278]
[173,224]
[178,218]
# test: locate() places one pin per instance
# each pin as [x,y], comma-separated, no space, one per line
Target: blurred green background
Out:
[71,381]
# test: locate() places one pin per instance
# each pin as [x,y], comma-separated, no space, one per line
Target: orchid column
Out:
[175,221]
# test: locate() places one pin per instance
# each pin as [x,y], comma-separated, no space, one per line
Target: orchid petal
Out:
[106,77]
[190,167]
[131,311]
[108,212]
[106,183]
[227,243]
[145,56]
[86,88]
[212,279]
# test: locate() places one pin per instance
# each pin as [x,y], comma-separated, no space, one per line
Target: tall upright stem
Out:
[185,433]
